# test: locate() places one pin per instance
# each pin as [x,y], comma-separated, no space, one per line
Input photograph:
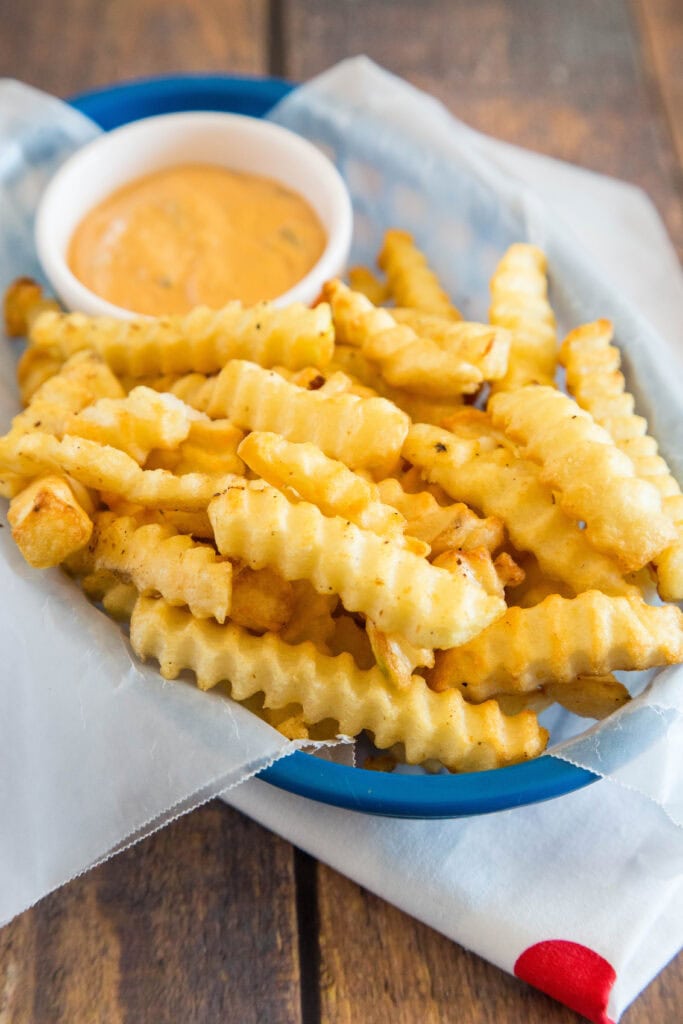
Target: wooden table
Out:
[214,919]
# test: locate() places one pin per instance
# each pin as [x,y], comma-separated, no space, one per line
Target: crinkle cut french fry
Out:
[443,527]
[107,469]
[560,639]
[203,340]
[596,483]
[498,483]
[33,369]
[431,725]
[590,696]
[47,522]
[116,597]
[362,433]
[309,615]
[411,280]
[467,355]
[363,280]
[519,302]
[82,380]
[143,420]
[327,483]
[470,342]
[400,591]
[157,560]
[211,447]
[419,407]
[596,382]
[24,301]
[395,656]
[261,599]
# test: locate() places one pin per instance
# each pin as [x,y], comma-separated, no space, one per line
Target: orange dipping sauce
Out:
[195,235]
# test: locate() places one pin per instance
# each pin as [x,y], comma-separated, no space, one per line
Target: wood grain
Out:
[662,29]
[566,79]
[65,46]
[196,924]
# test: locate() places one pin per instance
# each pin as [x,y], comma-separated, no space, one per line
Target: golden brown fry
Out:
[596,382]
[327,483]
[458,364]
[107,469]
[441,726]
[202,341]
[33,369]
[396,657]
[498,483]
[411,280]
[82,380]
[363,280]
[261,600]
[24,301]
[116,597]
[47,522]
[560,639]
[157,560]
[398,590]
[143,420]
[589,696]
[596,483]
[362,433]
[309,616]
[519,302]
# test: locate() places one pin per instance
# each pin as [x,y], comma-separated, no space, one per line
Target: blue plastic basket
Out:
[396,795]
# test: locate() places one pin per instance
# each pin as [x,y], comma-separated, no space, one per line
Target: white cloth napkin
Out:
[593,879]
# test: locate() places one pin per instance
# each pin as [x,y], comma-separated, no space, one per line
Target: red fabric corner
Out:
[571,973]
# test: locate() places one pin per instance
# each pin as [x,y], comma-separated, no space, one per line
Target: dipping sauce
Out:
[195,235]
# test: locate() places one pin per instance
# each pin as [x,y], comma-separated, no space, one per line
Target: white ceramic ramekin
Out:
[143,147]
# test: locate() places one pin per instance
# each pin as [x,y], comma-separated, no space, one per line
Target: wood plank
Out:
[662,28]
[195,924]
[74,45]
[378,964]
[565,79]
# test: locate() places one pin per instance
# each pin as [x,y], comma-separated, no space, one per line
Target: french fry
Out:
[398,590]
[116,597]
[136,424]
[396,657]
[363,280]
[431,725]
[202,341]
[33,369]
[498,483]
[157,560]
[47,522]
[362,433]
[108,469]
[560,639]
[596,382]
[211,447]
[261,600]
[327,483]
[519,302]
[458,364]
[411,280]
[24,301]
[589,696]
[595,481]
[309,616]
[82,380]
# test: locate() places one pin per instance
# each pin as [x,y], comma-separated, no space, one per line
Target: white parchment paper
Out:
[95,749]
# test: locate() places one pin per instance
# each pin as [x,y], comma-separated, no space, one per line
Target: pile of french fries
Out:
[368,516]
